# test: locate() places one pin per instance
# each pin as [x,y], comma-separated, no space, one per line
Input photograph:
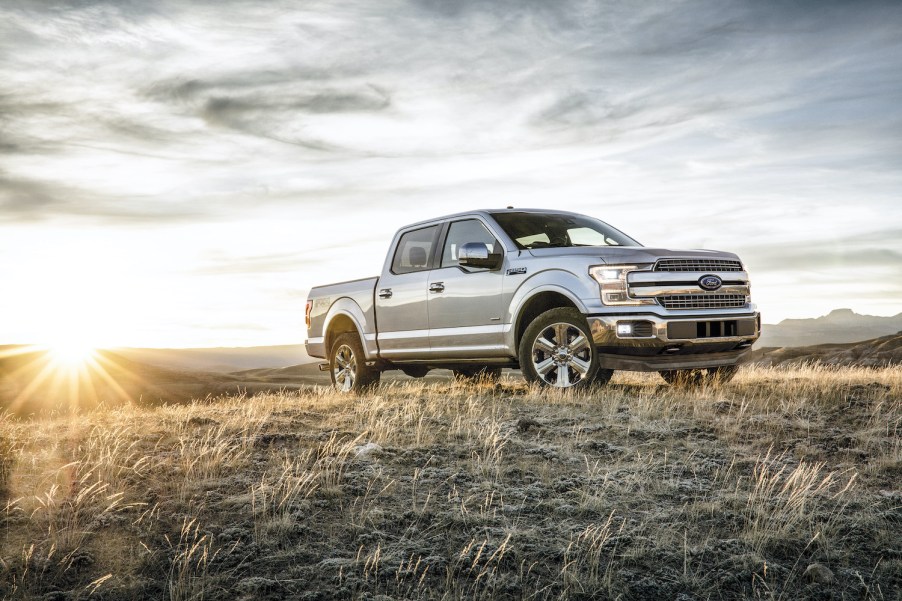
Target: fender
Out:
[349,308]
[550,280]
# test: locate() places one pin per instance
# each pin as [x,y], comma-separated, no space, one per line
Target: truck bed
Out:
[355,296]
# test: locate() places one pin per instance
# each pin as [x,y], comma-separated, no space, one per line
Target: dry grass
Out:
[450,491]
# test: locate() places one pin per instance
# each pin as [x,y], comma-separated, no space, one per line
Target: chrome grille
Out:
[698,265]
[702,301]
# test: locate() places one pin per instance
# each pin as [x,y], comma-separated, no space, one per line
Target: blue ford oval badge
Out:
[710,283]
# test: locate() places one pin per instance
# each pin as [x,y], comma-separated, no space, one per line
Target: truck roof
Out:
[487,213]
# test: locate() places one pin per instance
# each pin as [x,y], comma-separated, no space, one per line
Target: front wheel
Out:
[695,378]
[348,365]
[557,351]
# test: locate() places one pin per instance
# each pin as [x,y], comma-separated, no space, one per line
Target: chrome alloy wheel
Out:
[345,368]
[561,355]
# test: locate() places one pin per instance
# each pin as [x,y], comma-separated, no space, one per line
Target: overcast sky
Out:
[181,173]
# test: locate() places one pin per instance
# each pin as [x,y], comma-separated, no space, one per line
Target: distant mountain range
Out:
[879,352]
[838,327]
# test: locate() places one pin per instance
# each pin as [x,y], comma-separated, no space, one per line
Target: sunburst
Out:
[68,375]
[71,354]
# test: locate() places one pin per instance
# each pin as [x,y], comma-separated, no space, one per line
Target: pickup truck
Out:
[564,297]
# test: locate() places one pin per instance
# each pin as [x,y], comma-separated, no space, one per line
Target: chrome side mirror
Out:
[476,254]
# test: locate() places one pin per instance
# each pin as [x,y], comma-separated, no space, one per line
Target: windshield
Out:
[556,230]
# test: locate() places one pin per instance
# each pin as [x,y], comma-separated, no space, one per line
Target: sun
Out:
[71,353]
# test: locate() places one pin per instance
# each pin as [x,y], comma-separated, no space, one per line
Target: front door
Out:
[465,304]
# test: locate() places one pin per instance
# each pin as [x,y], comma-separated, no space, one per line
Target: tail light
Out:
[307,311]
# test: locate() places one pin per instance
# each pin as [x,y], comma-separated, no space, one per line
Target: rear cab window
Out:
[415,249]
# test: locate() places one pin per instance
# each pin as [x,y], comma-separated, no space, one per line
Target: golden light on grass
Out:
[726,491]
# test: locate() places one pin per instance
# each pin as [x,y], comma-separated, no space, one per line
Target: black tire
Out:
[696,378]
[477,374]
[567,364]
[347,365]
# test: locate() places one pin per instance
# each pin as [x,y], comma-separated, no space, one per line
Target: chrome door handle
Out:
[437,287]
[385,293]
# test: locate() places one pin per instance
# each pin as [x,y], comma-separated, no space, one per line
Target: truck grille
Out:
[697,265]
[702,301]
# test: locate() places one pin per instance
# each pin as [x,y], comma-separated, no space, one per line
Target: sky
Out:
[178,174]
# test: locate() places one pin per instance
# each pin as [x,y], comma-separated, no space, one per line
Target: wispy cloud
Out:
[731,124]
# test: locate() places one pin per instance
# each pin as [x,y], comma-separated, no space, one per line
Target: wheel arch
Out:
[536,302]
[344,316]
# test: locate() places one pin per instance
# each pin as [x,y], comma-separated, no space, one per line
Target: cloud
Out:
[874,249]
[23,200]
[740,122]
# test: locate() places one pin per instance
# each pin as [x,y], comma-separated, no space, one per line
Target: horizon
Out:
[45,348]
[179,177]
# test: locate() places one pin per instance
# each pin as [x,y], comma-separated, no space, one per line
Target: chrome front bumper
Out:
[674,343]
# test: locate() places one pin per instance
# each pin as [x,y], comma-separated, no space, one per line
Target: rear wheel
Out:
[557,351]
[475,374]
[348,366]
[693,378]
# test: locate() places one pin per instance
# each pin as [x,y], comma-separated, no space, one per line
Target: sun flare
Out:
[71,353]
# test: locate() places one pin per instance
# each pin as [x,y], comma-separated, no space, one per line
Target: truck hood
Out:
[629,254]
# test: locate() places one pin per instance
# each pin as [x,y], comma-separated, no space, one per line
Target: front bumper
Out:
[674,343]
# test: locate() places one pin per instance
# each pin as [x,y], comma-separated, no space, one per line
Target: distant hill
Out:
[883,351]
[839,326]
[33,380]
[222,360]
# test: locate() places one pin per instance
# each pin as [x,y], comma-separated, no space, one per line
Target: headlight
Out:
[612,281]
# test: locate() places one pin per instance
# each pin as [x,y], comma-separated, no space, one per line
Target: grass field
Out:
[784,484]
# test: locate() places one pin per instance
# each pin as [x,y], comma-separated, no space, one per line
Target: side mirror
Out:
[475,254]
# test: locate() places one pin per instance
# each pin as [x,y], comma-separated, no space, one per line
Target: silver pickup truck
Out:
[566,298]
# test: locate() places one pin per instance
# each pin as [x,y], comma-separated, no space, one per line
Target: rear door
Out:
[465,303]
[402,318]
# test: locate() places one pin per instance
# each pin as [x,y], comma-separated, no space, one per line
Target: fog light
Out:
[624,329]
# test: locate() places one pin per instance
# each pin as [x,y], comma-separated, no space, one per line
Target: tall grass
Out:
[480,492]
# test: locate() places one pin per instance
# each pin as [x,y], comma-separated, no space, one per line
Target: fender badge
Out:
[516,271]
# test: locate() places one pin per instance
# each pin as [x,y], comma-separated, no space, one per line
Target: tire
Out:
[696,378]
[477,374]
[347,365]
[574,364]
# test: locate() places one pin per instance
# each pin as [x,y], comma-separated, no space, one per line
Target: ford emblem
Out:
[710,283]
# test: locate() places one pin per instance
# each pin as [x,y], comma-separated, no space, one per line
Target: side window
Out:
[462,232]
[414,250]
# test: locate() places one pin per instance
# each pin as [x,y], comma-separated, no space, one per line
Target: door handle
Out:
[385,293]
[437,287]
